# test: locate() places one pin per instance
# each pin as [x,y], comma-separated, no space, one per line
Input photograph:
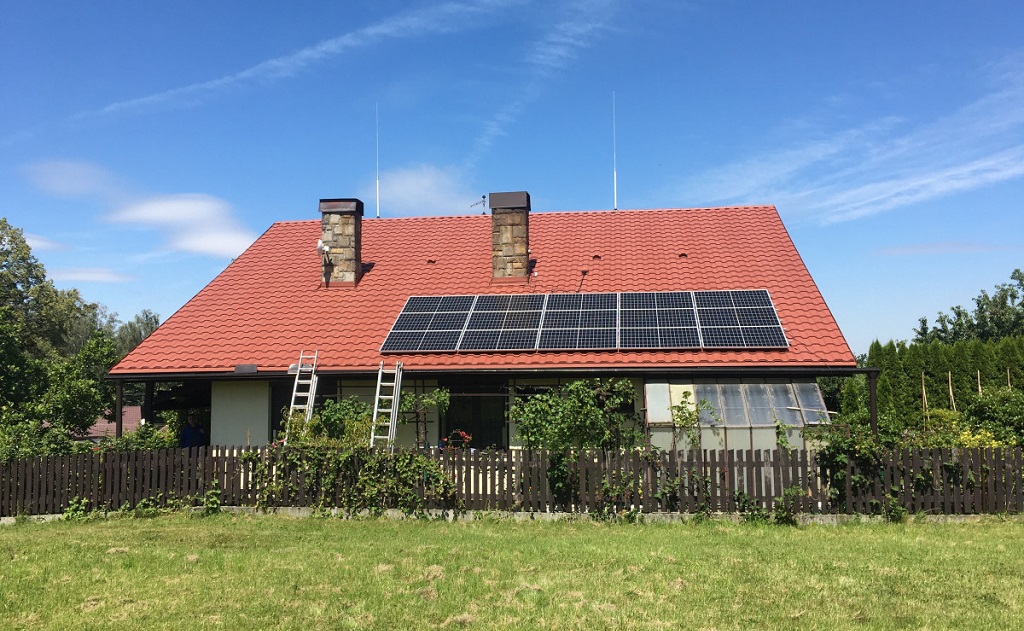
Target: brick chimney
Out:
[341,225]
[510,236]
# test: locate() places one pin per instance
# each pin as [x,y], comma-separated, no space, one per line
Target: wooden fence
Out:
[962,481]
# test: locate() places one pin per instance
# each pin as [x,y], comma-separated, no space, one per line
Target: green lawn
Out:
[241,572]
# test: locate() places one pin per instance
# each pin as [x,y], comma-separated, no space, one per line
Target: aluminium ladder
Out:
[304,389]
[385,406]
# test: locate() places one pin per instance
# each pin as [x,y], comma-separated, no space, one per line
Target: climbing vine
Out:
[354,481]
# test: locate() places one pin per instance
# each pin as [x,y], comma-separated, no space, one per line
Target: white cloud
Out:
[197,223]
[422,190]
[37,242]
[88,275]
[441,18]
[69,180]
[884,165]
[922,185]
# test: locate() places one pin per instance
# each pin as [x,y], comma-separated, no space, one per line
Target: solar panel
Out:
[561,319]
[639,338]
[479,340]
[486,320]
[718,317]
[604,318]
[593,321]
[671,318]
[492,303]
[646,318]
[679,338]
[530,302]
[429,324]
[596,339]
[517,339]
[738,319]
[711,299]
[565,302]
[399,341]
[764,337]
[600,301]
[755,298]
[638,301]
[722,337]
[757,316]
[674,300]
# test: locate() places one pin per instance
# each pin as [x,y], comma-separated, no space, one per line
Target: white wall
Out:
[240,413]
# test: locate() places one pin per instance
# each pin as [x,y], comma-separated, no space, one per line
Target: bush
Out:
[25,438]
[145,437]
[999,413]
[594,414]
[343,425]
[784,511]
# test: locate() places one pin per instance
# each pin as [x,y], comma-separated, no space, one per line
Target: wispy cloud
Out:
[435,19]
[68,179]
[197,223]
[88,275]
[423,190]
[39,243]
[544,58]
[885,164]
[940,248]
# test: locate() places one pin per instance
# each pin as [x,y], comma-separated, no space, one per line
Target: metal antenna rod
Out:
[615,172]
[376,122]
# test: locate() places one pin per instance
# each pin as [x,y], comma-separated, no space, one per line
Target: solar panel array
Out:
[591,321]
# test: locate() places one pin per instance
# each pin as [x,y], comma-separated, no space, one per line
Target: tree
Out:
[54,322]
[19,374]
[131,333]
[995,316]
[55,351]
[77,393]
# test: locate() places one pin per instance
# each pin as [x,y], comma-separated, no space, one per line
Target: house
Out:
[690,304]
[131,419]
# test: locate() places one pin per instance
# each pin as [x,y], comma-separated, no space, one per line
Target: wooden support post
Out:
[118,407]
[147,404]
[873,399]
[952,399]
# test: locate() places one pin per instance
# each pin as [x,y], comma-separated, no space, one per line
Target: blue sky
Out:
[143,145]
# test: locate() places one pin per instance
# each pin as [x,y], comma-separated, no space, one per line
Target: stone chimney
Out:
[510,236]
[341,224]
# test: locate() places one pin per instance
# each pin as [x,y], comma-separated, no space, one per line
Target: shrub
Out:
[999,412]
[595,414]
[784,510]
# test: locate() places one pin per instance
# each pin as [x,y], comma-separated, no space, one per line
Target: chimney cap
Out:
[517,199]
[342,205]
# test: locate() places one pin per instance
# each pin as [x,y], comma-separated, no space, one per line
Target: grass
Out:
[245,572]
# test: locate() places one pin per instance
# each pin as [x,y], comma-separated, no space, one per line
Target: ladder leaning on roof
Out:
[385,406]
[304,389]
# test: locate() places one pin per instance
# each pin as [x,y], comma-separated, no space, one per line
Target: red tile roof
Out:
[131,415]
[270,303]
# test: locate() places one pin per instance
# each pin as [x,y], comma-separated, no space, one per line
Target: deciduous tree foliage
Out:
[55,350]
[995,316]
